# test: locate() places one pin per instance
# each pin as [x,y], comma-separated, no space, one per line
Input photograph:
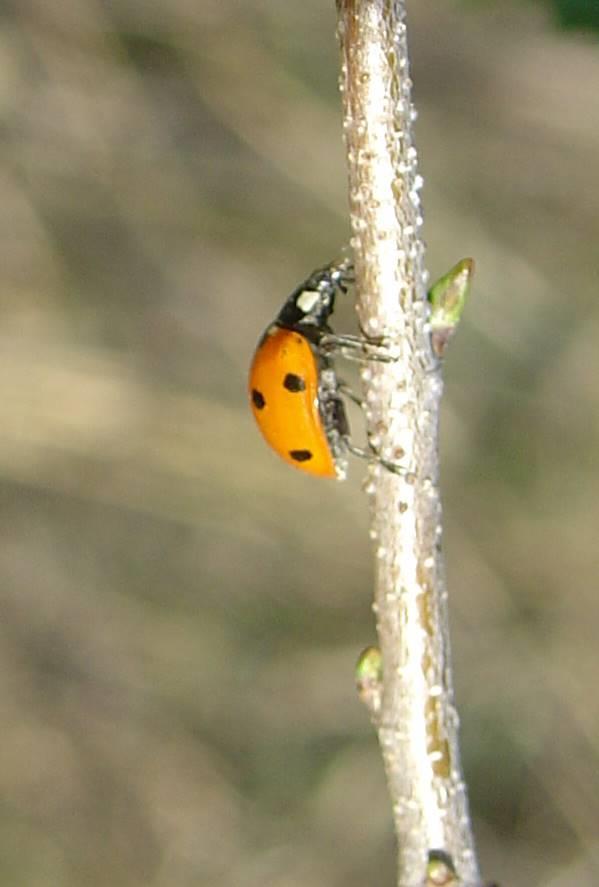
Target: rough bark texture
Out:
[417,723]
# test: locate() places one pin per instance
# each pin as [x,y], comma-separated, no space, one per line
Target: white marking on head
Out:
[307,300]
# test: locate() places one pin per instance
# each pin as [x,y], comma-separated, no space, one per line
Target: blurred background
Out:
[181,611]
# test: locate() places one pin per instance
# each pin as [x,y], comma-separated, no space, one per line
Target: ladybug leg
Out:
[356,348]
[334,415]
[371,454]
[344,389]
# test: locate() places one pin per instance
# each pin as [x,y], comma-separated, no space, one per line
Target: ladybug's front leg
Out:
[358,348]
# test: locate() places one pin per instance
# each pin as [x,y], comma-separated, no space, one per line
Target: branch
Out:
[415,717]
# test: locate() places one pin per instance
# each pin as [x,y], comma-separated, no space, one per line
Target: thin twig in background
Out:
[416,719]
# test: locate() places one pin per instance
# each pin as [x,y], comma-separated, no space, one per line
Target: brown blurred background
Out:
[181,612]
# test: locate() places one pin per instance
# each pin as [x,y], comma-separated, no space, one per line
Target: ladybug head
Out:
[313,301]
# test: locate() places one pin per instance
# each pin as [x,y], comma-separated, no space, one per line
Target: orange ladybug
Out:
[294,391]
[296,397]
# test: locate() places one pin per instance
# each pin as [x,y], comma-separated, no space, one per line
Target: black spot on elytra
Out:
[258,399]
[300,455]
[294,383]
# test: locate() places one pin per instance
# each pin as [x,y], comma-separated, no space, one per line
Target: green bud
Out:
[440,871]
[369,676]
[447,298]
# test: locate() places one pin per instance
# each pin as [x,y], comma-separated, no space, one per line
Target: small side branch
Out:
[413,710]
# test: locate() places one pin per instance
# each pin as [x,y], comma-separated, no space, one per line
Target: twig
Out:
[415,718]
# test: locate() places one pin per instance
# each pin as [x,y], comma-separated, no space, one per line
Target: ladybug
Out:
[295,395]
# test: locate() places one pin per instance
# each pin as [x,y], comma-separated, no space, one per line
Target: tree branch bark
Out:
[416,719]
